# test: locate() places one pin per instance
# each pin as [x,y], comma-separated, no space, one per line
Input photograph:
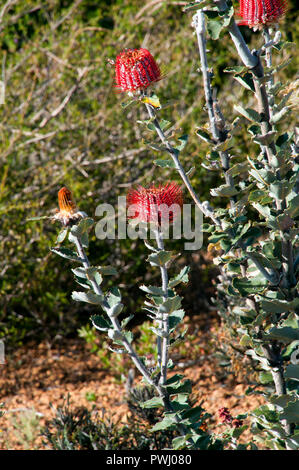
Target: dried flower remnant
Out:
[155,204]
[256,13]
[136,69]
[67,213]
[226,418]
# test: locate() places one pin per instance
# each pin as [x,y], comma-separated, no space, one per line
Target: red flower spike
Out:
[136,69]
[254,13]
[155,204]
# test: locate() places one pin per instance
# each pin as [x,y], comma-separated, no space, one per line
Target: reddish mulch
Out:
[36,376]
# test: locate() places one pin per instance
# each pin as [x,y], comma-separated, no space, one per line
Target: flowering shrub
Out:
[254,235]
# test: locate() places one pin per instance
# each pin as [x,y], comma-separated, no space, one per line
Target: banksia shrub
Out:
[155,204]
[136,69]
[255,13]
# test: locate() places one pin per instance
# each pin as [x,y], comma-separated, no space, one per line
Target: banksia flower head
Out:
[136,69]
[256,13]
[157,205]
[67,213]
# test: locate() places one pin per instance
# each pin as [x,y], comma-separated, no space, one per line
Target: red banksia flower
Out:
[255,13]
[136,69]
[67,213]
[155,204]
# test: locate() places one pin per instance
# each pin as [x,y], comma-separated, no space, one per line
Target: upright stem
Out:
[173,153]
[165,319]
[268,57]
[217,124]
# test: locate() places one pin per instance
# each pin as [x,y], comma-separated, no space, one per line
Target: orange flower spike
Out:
[65,201]
[67,213]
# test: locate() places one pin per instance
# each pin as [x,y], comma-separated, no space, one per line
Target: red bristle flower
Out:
[136,69]
[155,204]
[255,13]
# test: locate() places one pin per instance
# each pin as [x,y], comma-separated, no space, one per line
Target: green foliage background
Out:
[93,146]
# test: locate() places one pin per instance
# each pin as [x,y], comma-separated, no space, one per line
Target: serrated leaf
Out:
[249,286]
[153,290]
[165,163]
[61,236]
[291,412]
[183,142]
[66,253]
[248,113]
[246,81]
[101,323]
[175,318]
[224,190]
[160,258]
[168,422]
[181,277]
[88,297]
[155,402]
[170,305]
[285,334]
[292,371]
[203,134]
[82,227]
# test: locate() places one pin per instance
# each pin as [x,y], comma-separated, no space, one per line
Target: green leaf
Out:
[194,6]
[168,422]
[183,142]
[101,323]
[114,297]
[224,190]
[292,371]
[155,402]
[181,277]
[291,412]
[239,69]
[33,219]
[160,258]
[176,385]
[285,334]
[248,113]
[152,290]
[165,163]
[83,227]
[107,270]
[246,81]
[66,253]
[88,297]
[249,286]
[175,318]
[293,206]
[170,305]
[203,134]
[265,377]
[61,236]
[278,306]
